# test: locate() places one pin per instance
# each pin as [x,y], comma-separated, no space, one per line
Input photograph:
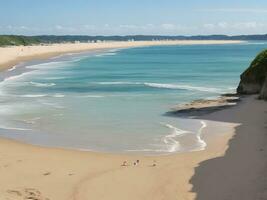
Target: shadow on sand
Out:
[242,173]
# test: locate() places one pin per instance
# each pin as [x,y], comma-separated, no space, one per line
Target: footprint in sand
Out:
[27,194]
[15,192]
[46,173]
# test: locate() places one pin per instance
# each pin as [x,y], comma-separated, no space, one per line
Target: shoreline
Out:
[11,56]
[21,68]
[199,107]
[30,171]
[85,173]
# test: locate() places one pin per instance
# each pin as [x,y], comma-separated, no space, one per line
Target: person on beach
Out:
[124,164]
[154,163]
[136,162]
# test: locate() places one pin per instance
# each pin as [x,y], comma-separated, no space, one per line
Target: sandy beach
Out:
[49,173]
[231,167]
[10,56]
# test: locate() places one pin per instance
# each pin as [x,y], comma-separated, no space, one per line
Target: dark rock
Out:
[263,93]
[254,79]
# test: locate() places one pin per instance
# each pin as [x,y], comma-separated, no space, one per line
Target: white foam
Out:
[165,86]
[42,84]
[55,78]
[49,65]
[253,43]
[14,128]
[173,145]
[148,150]
[106,54]
[114,50]
[31,121]
[10,78]
[202,143]
[54,105]
[59,95]
[37,95]
[118,83]
[34,95]
[12,68]
[91,96]
[183,87]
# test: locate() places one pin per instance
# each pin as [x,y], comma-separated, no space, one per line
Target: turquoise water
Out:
[115,100]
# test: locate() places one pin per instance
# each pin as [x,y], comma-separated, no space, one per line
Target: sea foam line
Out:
[48,65]
[12,68]
[42,84]
[106,54]
[14,77]
[202,143]
[91,96]
[183,87]
[33,95]
[170,139]
[14,128]
[164,86]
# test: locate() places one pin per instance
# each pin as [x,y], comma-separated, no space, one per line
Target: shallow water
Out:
[115,101]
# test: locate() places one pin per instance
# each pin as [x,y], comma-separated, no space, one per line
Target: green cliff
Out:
[254,79]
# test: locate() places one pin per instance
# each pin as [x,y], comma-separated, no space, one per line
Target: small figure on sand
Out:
[136,162]
[154,163]
[124,164]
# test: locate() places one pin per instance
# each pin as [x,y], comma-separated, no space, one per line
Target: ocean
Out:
[116,100]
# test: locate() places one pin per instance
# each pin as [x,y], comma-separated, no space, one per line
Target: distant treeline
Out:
[83,38]
[15,40]
[29,40]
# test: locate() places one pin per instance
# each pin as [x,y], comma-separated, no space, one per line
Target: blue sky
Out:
[123,17]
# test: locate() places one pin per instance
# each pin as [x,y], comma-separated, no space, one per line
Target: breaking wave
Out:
[170,141]
[42,84]
[12,68]
[165,86]
[181,87]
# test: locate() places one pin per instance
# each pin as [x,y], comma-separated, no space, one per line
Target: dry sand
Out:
[10,56]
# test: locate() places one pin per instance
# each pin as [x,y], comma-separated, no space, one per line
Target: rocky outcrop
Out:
[204,106]
[254,79]
[263,93]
